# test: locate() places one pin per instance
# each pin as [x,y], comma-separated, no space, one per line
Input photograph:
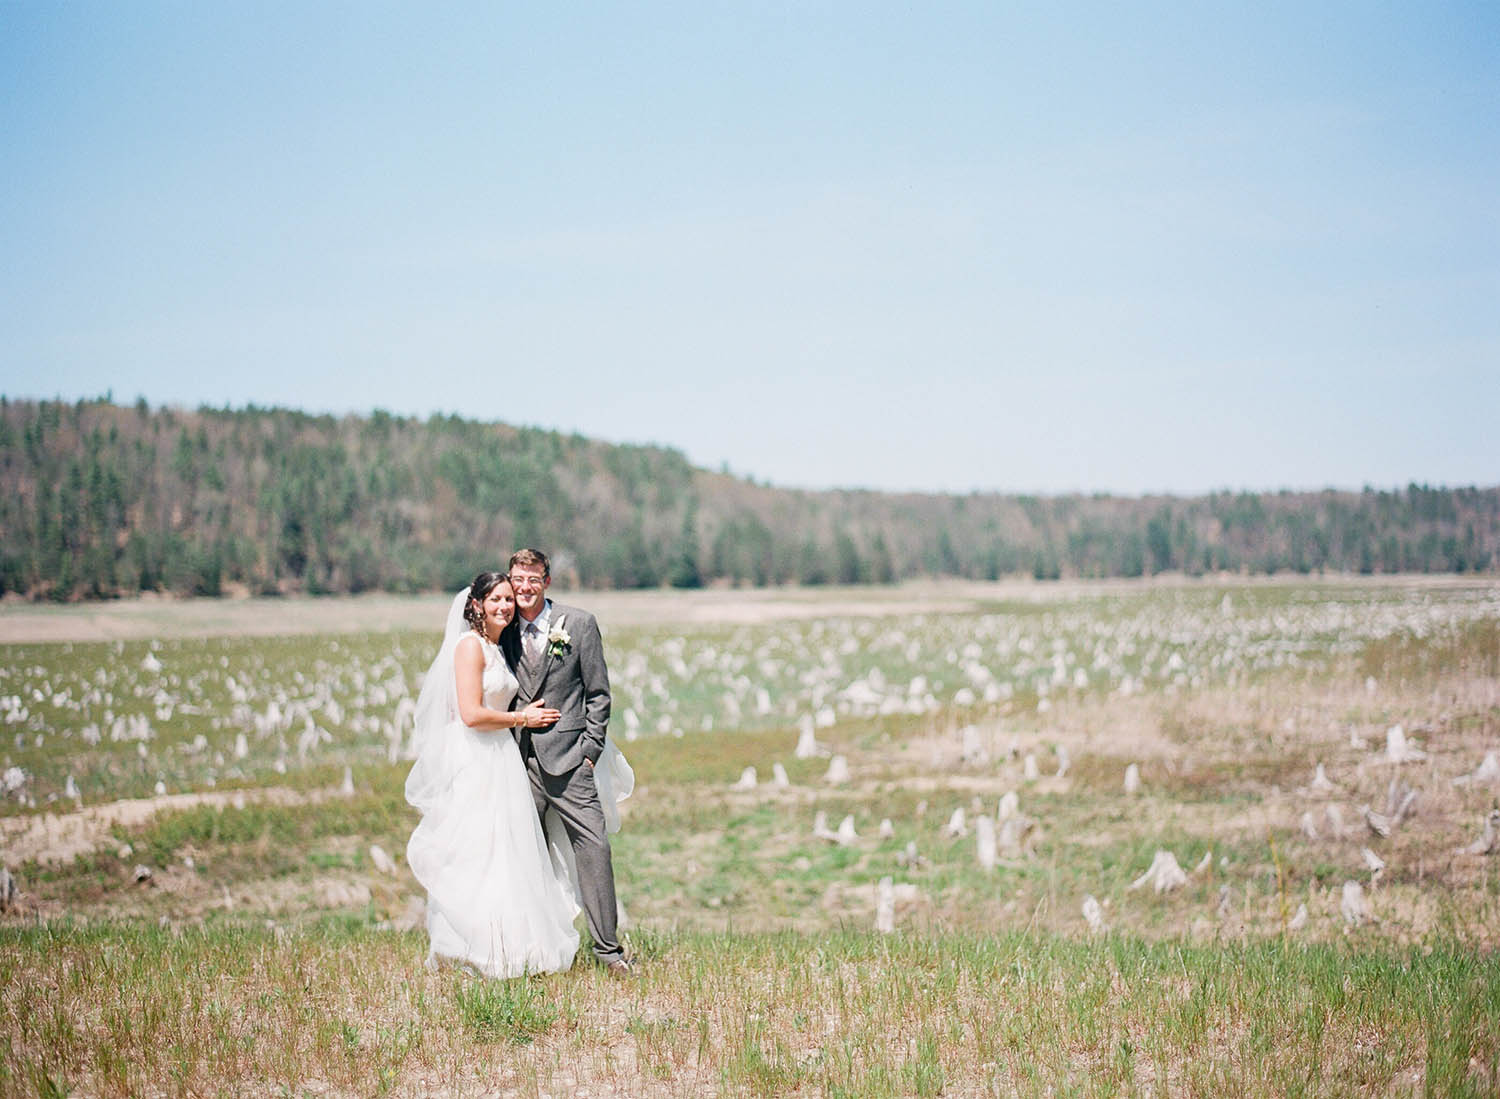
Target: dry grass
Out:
[132,1010]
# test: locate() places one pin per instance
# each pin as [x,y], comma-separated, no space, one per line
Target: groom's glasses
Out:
[527,581]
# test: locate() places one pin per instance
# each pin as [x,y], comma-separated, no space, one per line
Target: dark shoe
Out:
[622,969]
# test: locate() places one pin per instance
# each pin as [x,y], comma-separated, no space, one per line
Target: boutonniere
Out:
[559,641]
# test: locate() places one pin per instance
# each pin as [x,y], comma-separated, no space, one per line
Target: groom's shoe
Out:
[622,969]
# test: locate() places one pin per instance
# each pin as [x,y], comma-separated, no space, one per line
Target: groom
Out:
[559,657]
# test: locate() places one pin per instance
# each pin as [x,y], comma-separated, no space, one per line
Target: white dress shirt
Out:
[542,622]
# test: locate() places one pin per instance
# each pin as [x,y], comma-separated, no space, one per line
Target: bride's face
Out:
[499,608]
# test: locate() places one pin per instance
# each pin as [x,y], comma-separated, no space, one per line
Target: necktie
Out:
[533,638]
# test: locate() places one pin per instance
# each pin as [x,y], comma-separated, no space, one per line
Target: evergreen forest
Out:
[104,500]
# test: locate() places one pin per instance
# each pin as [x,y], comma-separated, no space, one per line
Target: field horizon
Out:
[162,615]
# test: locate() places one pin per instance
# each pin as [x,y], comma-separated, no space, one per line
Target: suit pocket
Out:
[590,780]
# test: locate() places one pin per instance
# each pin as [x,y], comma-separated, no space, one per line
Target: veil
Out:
[437,708]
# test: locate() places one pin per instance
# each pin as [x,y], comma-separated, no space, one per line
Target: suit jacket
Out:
[575,682]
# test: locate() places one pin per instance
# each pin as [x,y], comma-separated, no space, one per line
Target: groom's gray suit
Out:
[560,758]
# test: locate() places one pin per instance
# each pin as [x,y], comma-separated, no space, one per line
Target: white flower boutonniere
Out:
[559,641]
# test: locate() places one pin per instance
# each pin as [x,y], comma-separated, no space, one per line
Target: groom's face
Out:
[530,585]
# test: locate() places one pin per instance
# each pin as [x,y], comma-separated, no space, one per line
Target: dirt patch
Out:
[53,838]
[155,616]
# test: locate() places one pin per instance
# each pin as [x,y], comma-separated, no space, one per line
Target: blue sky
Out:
[1032,248]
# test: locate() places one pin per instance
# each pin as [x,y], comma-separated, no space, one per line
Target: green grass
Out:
[381,815]
[118,1009]
[514,1011]
[1470,648]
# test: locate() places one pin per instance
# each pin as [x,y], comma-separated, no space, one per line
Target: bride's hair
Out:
[484,583]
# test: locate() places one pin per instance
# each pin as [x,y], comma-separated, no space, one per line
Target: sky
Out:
[948,247]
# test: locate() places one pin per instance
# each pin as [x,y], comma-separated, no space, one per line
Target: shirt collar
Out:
[544,620]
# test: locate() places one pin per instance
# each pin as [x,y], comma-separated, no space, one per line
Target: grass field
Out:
[266,954]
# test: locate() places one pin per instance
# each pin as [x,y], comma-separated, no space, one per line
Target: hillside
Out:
[101,500]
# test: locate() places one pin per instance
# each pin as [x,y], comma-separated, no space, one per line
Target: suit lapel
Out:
[559,619]
[515,652]
[544,665]
[510,647]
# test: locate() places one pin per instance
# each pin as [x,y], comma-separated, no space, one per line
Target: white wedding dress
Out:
[498,897]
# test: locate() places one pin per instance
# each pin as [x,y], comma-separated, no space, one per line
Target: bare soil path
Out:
[153,617]
[53,838]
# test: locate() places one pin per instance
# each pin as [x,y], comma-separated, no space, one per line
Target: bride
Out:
[499,898]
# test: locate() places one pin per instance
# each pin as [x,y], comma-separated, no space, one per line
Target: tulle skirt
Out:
[497,898]
[615,781]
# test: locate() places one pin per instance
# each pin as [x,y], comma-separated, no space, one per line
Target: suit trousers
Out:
[575,799]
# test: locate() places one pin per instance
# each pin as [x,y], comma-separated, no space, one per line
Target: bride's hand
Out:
[538,714]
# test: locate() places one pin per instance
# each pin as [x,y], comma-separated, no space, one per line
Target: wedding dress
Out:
[499,897]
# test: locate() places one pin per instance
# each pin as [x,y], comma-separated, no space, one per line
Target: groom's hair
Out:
[531,559]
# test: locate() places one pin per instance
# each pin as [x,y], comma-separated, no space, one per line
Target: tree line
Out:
[102,500]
